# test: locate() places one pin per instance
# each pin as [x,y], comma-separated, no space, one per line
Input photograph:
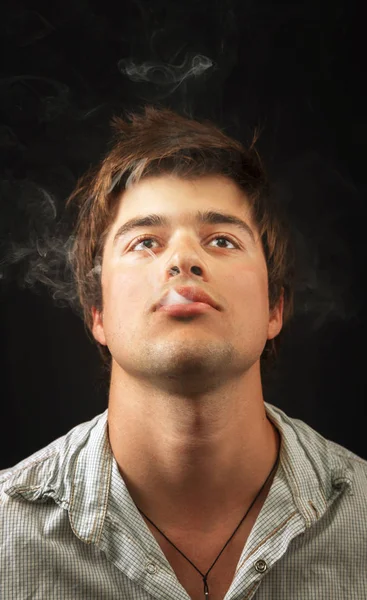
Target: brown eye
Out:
[145,238]
[224,237]
[141,240]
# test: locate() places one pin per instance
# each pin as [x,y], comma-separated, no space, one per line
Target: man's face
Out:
[208,347]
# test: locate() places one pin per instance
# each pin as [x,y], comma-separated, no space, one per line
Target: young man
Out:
[190,485]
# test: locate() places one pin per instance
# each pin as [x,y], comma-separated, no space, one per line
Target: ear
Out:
[97,329]
[276,318]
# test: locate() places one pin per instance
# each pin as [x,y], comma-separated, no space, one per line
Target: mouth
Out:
[186,310]
[188,297]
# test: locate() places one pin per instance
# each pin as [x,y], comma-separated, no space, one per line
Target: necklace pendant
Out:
[206,590]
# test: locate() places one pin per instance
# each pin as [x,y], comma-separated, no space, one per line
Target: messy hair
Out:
[158,141]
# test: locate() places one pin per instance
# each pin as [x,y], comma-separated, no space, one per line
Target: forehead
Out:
[179,199]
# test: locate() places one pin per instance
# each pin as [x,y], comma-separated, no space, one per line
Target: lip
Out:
[197,295]
[186,310]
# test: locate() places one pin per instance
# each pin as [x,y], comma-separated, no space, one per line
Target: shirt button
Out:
[261,566]
[151,568]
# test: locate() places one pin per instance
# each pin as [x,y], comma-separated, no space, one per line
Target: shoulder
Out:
[333,456]
[335,470]
[46,473]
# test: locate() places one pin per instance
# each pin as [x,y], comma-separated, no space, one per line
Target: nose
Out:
[185,261]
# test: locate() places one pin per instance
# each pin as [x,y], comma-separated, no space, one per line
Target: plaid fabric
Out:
[69,530]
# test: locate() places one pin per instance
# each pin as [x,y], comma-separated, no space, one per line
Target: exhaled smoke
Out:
[36,242]
[164,75]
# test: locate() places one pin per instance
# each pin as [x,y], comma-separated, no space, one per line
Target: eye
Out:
[140,240]
[145,238]
[224,237]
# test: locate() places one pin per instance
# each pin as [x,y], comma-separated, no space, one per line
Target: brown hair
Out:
[159,141]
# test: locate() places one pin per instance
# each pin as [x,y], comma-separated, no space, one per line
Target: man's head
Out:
[167,164]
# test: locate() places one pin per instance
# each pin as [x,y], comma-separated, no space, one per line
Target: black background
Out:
[297,70]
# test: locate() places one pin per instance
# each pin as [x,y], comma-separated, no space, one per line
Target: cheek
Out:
[251,309]
[250,301]
[250,286]
[122,295]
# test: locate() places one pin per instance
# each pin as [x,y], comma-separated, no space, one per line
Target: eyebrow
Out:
[208,217]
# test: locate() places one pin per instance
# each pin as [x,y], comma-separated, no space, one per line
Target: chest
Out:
[203,553]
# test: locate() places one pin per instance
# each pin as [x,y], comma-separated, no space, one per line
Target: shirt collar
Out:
[314,473]
[90,483]
[75,471]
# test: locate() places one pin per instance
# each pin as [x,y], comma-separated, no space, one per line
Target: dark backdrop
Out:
[297,70]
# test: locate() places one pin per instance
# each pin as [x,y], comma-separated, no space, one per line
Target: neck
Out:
[191,458]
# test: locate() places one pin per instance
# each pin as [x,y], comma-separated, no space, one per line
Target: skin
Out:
[186,417]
